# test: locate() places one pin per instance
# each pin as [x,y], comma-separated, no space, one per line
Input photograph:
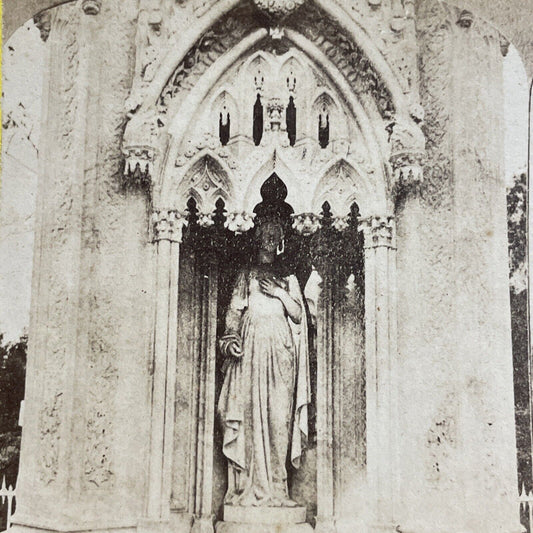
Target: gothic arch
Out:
[224,99]
[206,180]
[366,184]
[180,121]
[274,164]
[325,103]
[258,57]
[342,183]
[365,119]
[292,62]
[337,14]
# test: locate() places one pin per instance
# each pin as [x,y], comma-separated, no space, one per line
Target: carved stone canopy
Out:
[407,150]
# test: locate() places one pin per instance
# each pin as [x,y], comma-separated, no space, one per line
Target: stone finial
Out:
[43,22]
[168,225]
[465,20]
[379,231]
[306,223]
[91,7]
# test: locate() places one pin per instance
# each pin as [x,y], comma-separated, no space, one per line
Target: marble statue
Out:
[265,393]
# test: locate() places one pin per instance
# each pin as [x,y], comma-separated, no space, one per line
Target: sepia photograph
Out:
[264,266]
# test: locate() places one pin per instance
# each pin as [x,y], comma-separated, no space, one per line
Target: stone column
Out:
[380,341]
[168,230]
[325,520]
[203,501]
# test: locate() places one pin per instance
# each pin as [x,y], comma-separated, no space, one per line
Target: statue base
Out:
[263,520]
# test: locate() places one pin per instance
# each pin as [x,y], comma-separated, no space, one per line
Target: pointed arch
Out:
[206,179]
[258,61]
[274,164]
[375,137]
[355,31]
[293,68]
[343,182]
[327,120]
[224,109]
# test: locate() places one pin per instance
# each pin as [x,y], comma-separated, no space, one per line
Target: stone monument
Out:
[163,121]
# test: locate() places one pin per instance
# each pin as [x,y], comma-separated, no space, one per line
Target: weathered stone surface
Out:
[453,293]
[87,373]
[414,382]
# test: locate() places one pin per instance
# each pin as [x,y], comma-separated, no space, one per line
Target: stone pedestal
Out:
[263,520]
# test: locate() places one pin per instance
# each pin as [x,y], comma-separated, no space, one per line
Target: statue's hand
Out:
[270,288]
[234,349]
[231,345]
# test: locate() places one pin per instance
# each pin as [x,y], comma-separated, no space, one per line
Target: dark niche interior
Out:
[210,260]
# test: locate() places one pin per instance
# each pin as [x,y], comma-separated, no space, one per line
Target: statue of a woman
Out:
[264,398]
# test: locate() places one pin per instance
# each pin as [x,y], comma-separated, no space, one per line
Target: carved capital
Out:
[341,223]
[379,231]
[306,223]
[239,222]
[43,21]
[168,225]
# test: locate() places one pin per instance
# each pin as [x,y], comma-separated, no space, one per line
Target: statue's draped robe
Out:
[265,394]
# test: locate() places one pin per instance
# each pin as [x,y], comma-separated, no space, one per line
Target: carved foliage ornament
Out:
[306,223]
[379,231]
[225,34]
[239,222]
[316,26]
[278,9]
[168,225]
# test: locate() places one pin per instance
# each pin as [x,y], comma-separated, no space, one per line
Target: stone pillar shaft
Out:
[380,340]
[325,522]
[168,226]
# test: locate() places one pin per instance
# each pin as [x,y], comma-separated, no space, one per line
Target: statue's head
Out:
[269,235]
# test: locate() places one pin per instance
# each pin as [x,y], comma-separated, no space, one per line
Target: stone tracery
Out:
[262,80]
